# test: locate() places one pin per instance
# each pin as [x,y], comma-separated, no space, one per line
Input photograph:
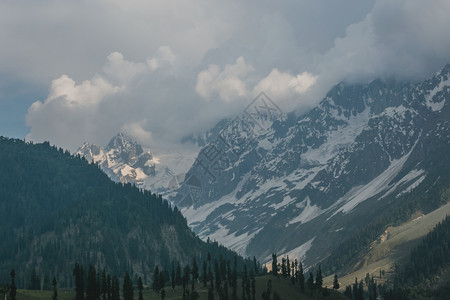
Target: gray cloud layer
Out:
[161,70]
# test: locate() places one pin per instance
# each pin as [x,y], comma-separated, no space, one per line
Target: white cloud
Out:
[163,57]
[172,55]
[122,70]
[136,130]
[69,112]
[283,85]
[227,83]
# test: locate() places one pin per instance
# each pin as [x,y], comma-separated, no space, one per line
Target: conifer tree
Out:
[178,278]
[156,279]
[13,288]
[301,278]
[255,266]
[210,293]
[205,274]
[253,284]
[288,267]
[355,289]
[335,282]
[55,291]
[218,276]
[234,279]
[108,287]
[195,274]
[310,282]
[35,281]
[91,288]
[283,267]
[104,288]
[79,281]
[140,287]
[173,276]
[115,289]
[319,279]
[274,264]
[225,291]
[46,285]
[127,287]
[98,286]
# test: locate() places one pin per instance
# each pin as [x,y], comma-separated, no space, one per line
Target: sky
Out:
[82,71]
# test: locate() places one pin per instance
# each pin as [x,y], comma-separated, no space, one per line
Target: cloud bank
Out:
[161,70]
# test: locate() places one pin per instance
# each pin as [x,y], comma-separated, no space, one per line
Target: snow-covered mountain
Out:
[298,185]
[125,160]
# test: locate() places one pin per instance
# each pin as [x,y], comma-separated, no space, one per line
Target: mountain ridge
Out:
[361,140]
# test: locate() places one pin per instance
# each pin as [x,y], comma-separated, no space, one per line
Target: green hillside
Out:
[57,209]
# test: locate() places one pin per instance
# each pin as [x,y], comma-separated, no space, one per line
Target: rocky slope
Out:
[301,184]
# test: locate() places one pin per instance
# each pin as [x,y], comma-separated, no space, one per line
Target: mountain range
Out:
[125,160]
[367,156]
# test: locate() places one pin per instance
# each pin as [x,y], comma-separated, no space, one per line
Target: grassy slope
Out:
[393,247]
[283,287]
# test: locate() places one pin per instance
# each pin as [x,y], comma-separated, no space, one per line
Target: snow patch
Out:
[286,201]
[431,104]
[359,194]
[299,253]
[407,178]
[232,241]
[308,213]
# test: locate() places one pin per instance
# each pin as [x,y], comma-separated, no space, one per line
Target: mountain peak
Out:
[122,142]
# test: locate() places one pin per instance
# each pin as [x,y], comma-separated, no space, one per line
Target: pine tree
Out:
[283,267]
[360,294]
[13,288]
[178,279]
[255,266]
[46,285]
[156,280]
[319,279]
[108,287]
[234,279]
[127,287]
[310,282]
[104,286]
[355,289]
[98,286]
[246,279]
[55,291]
[35,281]
[194,272]
[274,264]
[79,281]
[115,289]
[205,274]
[140,287]
[173,276]
[217,276]
[210,293]
[301,278]
[253,285]
[288,267]
[335,282]
[91,289]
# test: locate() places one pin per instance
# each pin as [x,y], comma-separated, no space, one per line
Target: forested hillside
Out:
[57,209]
